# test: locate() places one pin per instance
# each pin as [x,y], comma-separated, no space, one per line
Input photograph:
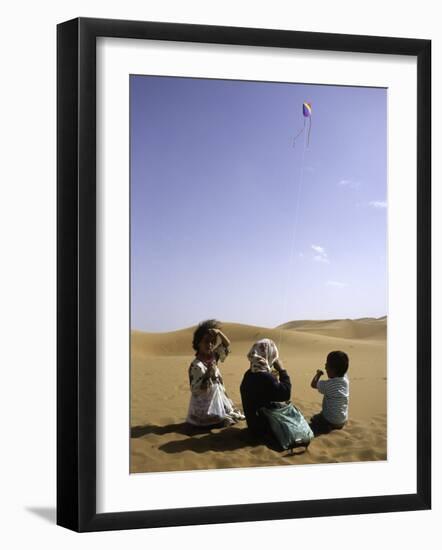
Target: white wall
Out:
[27,287]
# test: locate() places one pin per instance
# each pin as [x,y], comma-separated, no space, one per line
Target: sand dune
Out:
[160,394]
[366,328]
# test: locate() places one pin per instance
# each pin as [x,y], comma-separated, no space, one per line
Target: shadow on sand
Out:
[180,428]
[228,439]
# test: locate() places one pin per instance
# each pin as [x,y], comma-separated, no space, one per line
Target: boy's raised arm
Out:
[315,380]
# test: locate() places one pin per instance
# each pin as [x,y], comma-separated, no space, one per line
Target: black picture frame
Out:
[76,274]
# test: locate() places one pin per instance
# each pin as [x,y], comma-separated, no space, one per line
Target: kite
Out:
[307,113]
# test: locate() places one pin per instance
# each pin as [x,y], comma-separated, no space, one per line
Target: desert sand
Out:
[161,441]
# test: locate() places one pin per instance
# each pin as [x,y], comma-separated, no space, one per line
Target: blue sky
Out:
[229,220]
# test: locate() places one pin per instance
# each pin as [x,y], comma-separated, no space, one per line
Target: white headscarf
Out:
[262,355]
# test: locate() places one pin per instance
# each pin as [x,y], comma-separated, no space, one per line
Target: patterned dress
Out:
[209,403]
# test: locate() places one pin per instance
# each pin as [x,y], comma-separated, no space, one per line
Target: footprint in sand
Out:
[366,454]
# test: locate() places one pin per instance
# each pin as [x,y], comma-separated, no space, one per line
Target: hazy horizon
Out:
[227,322]
[230,221]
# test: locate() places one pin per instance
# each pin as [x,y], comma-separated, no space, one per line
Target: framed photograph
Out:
[243,274]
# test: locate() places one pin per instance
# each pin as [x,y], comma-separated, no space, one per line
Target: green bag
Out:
[287,425]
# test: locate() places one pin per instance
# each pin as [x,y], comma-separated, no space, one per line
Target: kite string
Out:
[293,239]
[299,133]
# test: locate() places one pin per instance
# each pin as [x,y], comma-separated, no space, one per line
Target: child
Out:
[209,404]
[334,414]
[260,386]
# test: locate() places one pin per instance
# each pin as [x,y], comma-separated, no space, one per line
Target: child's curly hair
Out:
[201,331]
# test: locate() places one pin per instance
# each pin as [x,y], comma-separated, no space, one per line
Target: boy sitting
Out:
[334,414]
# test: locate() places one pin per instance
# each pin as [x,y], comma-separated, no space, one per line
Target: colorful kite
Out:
[307,112]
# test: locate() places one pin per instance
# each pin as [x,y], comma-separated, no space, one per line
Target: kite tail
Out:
[309,128]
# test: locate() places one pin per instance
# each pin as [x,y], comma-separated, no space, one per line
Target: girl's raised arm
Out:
[225,341]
